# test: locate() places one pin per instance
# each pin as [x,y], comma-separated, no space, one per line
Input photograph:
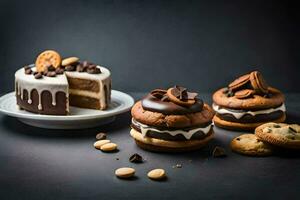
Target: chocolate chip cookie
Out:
[251,145]
[280,134]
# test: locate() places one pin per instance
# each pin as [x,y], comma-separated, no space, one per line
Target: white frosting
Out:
[60,83]
[240,114]
[187,134]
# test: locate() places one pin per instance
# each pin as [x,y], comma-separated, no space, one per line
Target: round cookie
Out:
[242,126]
[153,144]
[251,145]
[257,102]
[46,59]
[283,135]
[69,61]
[239,82]
[174,121]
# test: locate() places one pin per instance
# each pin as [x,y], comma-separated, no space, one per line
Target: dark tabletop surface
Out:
[38,163]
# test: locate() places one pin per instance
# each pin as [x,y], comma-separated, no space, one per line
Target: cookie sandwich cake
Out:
[52,84]
[172,120]
[248,102]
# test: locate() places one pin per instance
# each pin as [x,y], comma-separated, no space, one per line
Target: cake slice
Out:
[90,90]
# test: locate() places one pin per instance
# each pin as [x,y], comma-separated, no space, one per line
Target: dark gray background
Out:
[148,44]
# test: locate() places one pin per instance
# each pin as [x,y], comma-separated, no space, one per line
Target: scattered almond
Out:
[125,172]
[108,147]
[100,143]
[156,174]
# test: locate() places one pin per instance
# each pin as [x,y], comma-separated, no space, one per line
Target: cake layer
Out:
[85,102]
[84,84]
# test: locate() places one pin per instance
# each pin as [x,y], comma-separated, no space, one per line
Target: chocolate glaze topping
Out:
[159,101]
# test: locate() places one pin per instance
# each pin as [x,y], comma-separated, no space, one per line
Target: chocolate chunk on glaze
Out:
[154,104]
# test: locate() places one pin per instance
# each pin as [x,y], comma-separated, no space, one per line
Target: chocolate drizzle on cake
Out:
[174,101]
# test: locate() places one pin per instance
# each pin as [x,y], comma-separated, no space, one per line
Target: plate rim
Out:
[34,116]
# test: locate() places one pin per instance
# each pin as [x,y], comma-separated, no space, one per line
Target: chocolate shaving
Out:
[192,95]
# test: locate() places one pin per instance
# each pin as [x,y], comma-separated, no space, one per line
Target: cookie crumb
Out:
[178,165]
[219,152]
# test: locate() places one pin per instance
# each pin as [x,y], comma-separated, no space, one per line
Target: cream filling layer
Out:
[239,115]
[187,134]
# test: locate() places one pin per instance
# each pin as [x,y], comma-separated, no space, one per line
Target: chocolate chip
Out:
[38,75]
[34,73]
[101,136]
[238,139]
[276,126]
[85,63]
[269,130]
[219,152]
[80,68]
[59,70]
[26,67]
[92,66]
[93,71]
[50,68]
[28,71]
[51,74]
[292,138]
[136,158]
[70,68]
[225,90]
[291,129]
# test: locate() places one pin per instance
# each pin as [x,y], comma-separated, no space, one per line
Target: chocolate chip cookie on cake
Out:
[53,83]
[171,120]
[248,102]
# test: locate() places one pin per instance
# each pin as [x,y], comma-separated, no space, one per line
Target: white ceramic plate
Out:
[79,117]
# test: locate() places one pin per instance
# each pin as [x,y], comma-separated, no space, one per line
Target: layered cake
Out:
[248,102]
[171,120]
[52,85]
